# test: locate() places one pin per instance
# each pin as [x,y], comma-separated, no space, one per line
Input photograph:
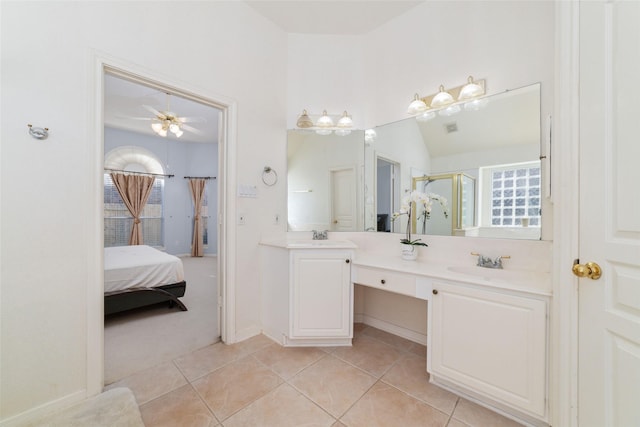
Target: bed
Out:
[139,275]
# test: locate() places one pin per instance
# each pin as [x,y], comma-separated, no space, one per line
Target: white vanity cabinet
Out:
[307,296]
[491,344]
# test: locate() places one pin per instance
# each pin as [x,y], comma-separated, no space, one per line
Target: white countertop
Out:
[520,280]
[533,282]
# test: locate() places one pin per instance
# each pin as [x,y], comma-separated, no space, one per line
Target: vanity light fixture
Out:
[304,121]
[449,102]
[470,90]
[442,98]
[325,123]
[417,105]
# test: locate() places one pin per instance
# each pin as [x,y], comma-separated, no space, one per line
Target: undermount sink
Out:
[494,274]
[314,244]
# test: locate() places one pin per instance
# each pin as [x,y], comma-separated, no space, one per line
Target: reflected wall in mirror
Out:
[494,143]
[458,211]
[324,180]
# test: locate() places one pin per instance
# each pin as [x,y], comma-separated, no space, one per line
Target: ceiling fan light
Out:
[417,105]
[157,127]
[441,99]
[325,121]
[174,128]
[162,132]
[304,121]
[345,121]
[470,90]
[178,133]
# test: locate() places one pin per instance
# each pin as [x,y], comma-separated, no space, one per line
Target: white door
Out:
[343,200]
[609,308]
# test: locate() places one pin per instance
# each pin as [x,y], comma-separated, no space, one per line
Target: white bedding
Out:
[139,266]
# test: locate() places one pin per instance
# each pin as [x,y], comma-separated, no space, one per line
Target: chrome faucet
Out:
[319,235]
[487,262]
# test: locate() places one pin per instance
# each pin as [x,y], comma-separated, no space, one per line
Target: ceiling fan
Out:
[168,121]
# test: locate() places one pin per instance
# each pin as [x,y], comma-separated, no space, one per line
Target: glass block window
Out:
[118,220]
[515,195]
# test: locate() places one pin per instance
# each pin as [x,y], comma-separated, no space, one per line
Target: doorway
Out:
[387,193]
[175,238]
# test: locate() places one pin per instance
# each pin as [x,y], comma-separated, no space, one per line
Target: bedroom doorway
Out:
[146,122]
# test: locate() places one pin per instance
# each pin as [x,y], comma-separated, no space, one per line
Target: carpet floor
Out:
[152,335]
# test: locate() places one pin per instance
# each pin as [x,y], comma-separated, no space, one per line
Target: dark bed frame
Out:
[128,299]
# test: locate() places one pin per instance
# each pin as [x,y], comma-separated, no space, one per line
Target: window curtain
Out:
[135,191]
[197,195]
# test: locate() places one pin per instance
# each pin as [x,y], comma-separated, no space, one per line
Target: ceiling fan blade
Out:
[137,118]
[157,113]
[192,129]
[191,119]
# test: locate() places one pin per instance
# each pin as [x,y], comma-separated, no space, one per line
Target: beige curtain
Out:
[135,191]
[197,195]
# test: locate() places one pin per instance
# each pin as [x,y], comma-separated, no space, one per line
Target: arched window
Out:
[117,219]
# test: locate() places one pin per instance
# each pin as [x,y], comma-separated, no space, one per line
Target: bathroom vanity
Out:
[487,329]
[306,292]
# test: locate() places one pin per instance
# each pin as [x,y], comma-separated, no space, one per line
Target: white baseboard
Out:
[391,328]
[39,413]
[247,333]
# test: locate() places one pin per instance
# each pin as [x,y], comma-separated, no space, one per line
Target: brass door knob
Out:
[591,270]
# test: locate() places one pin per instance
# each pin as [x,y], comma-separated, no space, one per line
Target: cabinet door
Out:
[320,294]
[491,343]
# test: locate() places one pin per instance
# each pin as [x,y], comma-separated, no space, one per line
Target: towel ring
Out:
[269,176]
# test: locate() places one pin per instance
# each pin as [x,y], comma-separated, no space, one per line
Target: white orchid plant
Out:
[425,201]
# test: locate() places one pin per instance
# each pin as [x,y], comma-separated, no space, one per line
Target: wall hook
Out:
[38,133]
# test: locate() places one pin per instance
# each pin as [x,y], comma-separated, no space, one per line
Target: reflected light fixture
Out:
[442,98]
[426,116]
[470,90]
[450,110]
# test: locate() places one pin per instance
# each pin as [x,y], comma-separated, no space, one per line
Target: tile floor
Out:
[380,381]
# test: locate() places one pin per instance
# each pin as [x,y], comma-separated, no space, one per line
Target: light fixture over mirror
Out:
[324,125]
[448,102]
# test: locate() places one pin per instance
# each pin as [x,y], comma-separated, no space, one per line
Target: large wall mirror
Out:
[324,181]
[484,160]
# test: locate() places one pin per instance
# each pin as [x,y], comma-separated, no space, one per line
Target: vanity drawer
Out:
[383,279]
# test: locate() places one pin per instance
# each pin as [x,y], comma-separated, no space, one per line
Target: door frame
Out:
[100,64]
[396,186]
[565,176]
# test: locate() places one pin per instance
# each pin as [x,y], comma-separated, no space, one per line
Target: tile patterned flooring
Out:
[380,381]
